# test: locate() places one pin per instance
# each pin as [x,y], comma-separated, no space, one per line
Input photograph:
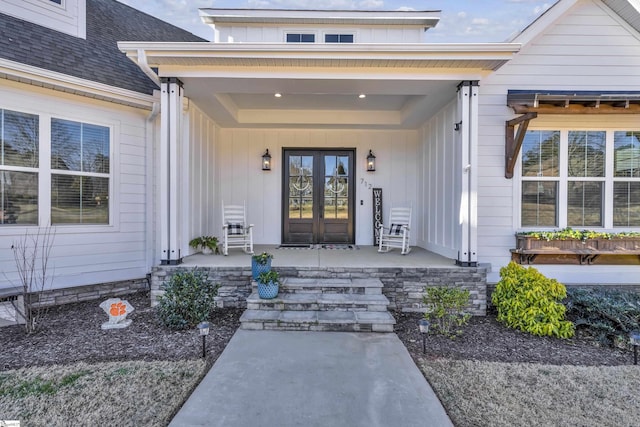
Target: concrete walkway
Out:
[273,378]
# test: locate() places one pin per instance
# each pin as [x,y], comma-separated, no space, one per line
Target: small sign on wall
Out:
[377,214]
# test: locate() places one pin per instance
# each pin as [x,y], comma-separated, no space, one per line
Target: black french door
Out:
[318,193]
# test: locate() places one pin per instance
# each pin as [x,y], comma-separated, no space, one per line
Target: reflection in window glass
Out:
[79,147]
[539,203]
[300,186]
[77,199]
[540,153]
[626,154]
[19,139]
[586,153]
[626,204]
[584,204]
[18,197]
[336,187]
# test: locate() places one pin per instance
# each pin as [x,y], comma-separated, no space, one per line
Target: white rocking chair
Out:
[236,232]
[396,234]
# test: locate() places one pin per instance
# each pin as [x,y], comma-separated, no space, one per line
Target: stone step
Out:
[331,285]
[313,320]
[319,302]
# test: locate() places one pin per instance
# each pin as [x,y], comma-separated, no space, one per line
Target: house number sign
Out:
[377,214]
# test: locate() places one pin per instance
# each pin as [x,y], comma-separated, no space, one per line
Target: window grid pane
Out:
[584,204]
[18,198]
[626,204]
[77,199]
[19,139]
[626,156]
[586,153]
[539,203]
[540,153]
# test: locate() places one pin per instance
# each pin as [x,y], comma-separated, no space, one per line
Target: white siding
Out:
[439,209]
[241,178]
[589,48]
[69,17]
[277,34]
[88,254]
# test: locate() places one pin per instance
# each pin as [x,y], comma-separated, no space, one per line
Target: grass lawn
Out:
[522,394]
[127,393]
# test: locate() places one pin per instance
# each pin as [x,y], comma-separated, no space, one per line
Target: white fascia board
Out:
[213,16]
[67,83]
[156,52]
[543,22]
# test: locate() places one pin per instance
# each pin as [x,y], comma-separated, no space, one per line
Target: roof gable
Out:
[96,58]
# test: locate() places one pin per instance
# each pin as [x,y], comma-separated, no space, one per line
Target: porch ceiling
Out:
[404,84]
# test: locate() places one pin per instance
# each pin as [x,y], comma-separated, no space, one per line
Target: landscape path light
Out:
[635,342]
[203,328]
[424,330]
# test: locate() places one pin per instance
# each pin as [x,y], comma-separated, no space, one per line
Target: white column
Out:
[170,140]
[468,215]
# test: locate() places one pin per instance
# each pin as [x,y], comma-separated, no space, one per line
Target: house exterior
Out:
[320,90]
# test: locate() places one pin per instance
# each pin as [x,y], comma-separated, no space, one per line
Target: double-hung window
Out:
[79,173]
[19,158]
[580,179]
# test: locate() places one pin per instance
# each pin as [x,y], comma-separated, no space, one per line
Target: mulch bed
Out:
[72,333]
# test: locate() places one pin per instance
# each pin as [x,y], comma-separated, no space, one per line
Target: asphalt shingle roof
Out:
[97,58]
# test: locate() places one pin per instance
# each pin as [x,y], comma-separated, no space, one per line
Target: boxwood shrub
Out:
[188,299]
[531,302]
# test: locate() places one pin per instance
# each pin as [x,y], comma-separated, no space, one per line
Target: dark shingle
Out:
[97,58]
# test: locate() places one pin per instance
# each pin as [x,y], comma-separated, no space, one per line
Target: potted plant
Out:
[207,244]
[260,263]
[570,239]
[268,284]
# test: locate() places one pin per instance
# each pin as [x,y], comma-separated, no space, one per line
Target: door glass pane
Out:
[18,197]
[584,204]
[586,153]
[300,187]
[539,203]
[336,188]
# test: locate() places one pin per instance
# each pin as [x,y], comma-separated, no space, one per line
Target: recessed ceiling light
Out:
[362,95]
[277,95]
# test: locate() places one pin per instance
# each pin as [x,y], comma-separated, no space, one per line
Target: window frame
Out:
[563,178]
[44,171]
[339,34]
[286,34]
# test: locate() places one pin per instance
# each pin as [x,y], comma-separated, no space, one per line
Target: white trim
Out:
[26,73]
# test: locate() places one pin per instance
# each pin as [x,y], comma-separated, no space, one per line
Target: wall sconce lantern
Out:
[266,161]
[371,162]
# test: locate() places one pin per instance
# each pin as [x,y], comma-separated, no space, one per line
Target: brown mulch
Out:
[72,333]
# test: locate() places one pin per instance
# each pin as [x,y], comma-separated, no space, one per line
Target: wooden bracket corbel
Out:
[513,140]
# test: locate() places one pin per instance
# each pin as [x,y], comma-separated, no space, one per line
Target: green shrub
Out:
[188,299]
[445,309]
[529,301]
[607,315]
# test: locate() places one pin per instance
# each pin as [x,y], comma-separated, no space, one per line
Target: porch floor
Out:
[363,257]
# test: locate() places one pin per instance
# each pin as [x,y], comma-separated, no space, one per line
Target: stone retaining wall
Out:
[89,292]
[402,286]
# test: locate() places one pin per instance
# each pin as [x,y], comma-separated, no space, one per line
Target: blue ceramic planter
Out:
[256,268]
[268,290]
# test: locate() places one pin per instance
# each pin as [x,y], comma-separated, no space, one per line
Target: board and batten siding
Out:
[439,179]
[202,211]
[589,48]
[241,178]
[89,254]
